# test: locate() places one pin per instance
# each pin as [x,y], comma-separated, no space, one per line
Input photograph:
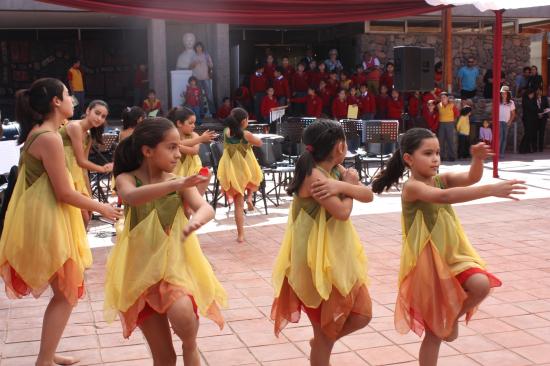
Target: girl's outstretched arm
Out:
[480,152]
[252,139]
[202,211]
[135,196]
[417,191]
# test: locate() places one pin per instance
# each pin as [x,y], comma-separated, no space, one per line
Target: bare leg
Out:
[249,203]
[321,347]
[353,323]
[86,217]
[429,350]
[186,325]
[55,319]
[239,217]
[157,333]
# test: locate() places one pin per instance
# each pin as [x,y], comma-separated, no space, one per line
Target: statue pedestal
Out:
[178,82]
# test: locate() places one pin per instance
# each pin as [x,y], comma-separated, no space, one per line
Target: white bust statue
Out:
[184,59]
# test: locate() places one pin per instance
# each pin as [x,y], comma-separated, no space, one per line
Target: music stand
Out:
[275,115]
[292,129]
[103,154]
[382,132]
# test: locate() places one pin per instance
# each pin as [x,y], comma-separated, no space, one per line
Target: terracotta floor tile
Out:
[274,352]
[527,321]
[538,353]
[385,355]
[231,357]
[366,340]
[217,343]
[302,361]
[115,354]
[490,325]
[459,360]
[541,333]
[518,338]
[475,343]
[500,358]
[347,359]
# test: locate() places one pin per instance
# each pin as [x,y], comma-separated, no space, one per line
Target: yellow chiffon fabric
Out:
[435,250]
[42,237]
[188,165]
[319,255]
[238,169]
[151,250]
[79,174]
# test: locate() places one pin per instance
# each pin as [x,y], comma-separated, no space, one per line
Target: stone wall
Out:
[515,51]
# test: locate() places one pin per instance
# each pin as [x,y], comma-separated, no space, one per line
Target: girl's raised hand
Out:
[192,181]
[481,151]
[208,136]
[111,212]
[351,176]
[322,189]
[507,188]
[108,168]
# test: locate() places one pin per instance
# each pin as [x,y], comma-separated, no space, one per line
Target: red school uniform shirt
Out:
[432,119]
[387,80]
[332,86]
[269,71]
[326,96]
[427,96]
[395,108]
[149,106]
[314,105]
[359,79]
[314,78]
[267,104]
[281,87]
[414,106]
[367,103]
[288,72]
[382,105]
[299,82]
[192,96]
[258,83]
[223,112]
[339,108]
[352,99]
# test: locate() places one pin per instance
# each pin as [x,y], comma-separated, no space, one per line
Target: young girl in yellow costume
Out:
[322,267]
[190,162]
[44,242]
[157,275]
[77,140]
[441,276]
[239,173]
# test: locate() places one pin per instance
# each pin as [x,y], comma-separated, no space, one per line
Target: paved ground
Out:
[511,328]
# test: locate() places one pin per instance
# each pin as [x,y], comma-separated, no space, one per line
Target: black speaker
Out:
[407,65]
[427,71]
[414,68]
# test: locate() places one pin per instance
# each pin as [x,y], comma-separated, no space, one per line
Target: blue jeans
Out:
[197,111]
[503,137]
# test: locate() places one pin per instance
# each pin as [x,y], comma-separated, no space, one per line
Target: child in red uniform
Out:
[414,107]
[299,88]
[345,82]
[332,83]
[288,69]
[281,87]
[242,96]
[359,78]
[395,105]
[269,68]
[430,115]
[224,109]
[323,73]
[353,99]
[387,77]
[193,98]
[313,75]
[326,96]
[258,86]
[151,103]
[340,106]
[314,104]
[429,95]
[382,103]
[268,102]
[367,103]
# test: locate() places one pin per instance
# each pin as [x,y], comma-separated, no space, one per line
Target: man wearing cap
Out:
[446,133]
[333,64]
[466,79]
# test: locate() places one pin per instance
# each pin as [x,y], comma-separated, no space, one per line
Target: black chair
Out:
[216,152]
[292,128]
[381,141]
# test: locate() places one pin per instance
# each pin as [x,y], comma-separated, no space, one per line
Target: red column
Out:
[497,62]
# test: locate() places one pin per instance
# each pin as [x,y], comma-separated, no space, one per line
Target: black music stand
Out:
[385,134]
[292,129]
[100,183]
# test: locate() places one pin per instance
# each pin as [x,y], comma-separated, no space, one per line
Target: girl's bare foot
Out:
[65,360]
[240,238]
[249,206]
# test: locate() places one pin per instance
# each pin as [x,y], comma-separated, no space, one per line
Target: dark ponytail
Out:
[396,166]
[234,121]
[33,105]
[181,114]
[128,155]
[319,138]
[131,116]
[97,132]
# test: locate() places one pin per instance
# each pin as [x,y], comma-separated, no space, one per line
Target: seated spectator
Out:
[314,104]
[340,106]
[367,103]
[382,101]
[152,105]
[268,102]
[281,87]
[224,109]
[387,77]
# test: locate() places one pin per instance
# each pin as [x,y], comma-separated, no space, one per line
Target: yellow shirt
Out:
[446,113]
[463,125]
[75,78]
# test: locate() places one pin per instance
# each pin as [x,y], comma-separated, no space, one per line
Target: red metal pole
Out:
[497,62]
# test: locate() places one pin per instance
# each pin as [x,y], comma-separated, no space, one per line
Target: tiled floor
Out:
[511,328]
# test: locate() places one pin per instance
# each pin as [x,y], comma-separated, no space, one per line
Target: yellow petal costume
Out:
[42,237]
[238,169]
[188,165]
[436,259]
[79,174]
[321,268]
[152,265]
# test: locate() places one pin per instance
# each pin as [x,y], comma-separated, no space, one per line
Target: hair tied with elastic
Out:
[128,109]
[309,148]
